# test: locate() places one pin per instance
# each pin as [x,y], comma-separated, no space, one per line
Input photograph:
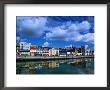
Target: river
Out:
[69,66]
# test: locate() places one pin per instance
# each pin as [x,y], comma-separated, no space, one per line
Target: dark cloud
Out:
[31,26]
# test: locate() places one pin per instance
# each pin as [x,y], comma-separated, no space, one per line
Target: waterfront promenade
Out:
[49,57]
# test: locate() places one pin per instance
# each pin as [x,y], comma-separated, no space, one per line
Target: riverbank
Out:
[37,58]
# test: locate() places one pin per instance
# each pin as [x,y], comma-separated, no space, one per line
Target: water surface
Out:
[70,66]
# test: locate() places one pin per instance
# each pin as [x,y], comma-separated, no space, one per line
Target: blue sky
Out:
[56,31]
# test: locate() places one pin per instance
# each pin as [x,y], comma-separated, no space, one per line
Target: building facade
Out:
[17,49]
[25,46]
[33,50]
[45,51]
[62,52]
[39,51]
[54,52]
[87,50]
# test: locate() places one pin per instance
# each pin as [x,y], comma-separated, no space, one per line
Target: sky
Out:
[56,31]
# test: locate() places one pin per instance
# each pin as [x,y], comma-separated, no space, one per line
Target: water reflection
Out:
[71,66]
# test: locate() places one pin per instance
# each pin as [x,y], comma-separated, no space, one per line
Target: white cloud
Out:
[56,33]
[84,25]
[79,37]
[46,44]
[71,32]
[89,37]
[73,27]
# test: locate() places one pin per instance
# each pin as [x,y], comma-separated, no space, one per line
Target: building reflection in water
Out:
[72,66]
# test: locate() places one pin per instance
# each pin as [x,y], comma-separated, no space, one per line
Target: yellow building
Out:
[54,52]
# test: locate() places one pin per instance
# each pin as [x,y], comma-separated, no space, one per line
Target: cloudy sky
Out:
[56,31]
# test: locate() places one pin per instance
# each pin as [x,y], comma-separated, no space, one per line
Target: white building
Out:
[39,52]
[87,50]
[25,46]
[79,54]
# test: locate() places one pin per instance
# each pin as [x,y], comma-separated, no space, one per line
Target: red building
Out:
[33,50]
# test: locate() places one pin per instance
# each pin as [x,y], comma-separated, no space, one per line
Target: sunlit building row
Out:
[27,49]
